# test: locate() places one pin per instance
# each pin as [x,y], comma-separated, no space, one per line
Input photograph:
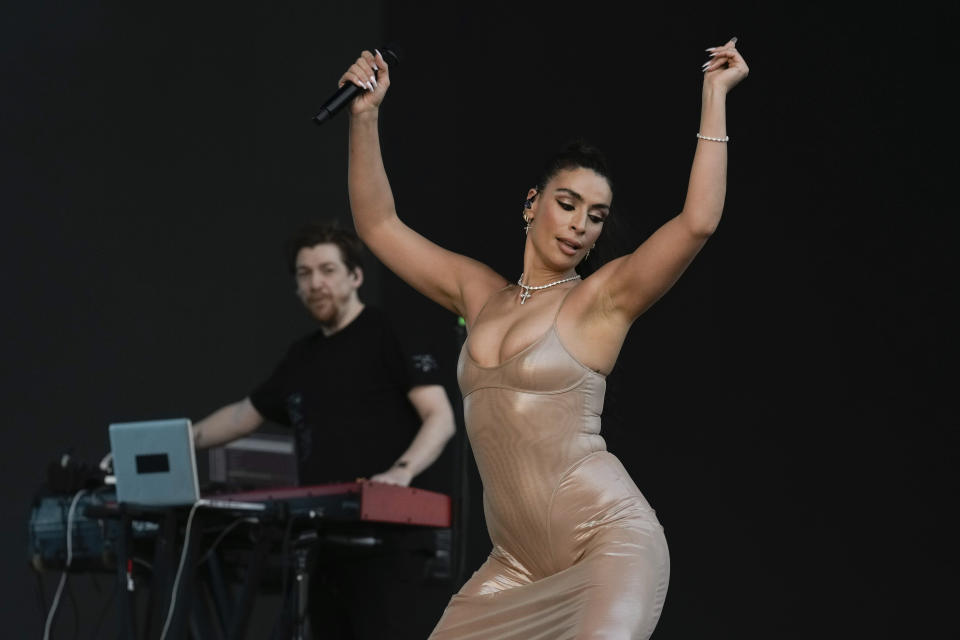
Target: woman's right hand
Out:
[371,73]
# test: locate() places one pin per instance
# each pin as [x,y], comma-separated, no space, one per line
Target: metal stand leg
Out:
[301,624]
[126,594]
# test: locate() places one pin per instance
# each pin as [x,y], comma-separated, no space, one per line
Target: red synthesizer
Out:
[356,501]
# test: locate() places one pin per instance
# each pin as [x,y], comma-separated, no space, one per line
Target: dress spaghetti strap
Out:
[556,314]
[487,301]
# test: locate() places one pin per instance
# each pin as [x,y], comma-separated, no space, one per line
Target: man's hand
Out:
[395,475]
[436,429]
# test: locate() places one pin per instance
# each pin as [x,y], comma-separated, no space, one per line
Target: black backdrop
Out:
[784,407]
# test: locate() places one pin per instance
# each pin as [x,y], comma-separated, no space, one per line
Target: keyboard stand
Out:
[218,619]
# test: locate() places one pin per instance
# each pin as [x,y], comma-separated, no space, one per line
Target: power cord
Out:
[183,558]
[176,580]
[66,569]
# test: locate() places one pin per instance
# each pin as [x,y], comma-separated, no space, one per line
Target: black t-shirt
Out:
[345,396]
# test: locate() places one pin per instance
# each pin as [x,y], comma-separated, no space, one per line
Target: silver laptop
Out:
[154,464]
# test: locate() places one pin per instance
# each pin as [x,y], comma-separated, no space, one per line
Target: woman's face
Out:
[568,216]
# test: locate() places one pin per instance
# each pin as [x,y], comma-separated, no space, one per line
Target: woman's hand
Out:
[372,74]
[725,68]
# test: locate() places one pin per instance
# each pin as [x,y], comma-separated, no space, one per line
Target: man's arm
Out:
[436,428]
[227,424]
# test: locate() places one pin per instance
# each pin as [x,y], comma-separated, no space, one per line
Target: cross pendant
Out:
[524,296]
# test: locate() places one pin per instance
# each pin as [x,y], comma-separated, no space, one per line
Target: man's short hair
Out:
[325,232]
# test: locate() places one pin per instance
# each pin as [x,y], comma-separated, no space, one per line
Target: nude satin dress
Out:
[577,550]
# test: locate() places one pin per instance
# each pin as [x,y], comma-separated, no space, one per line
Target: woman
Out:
[578,552]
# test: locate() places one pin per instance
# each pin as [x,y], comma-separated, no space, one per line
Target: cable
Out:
[76,609]
[285,551]
[103,614]
[285,560]
[282,617]
[230,527]
[183,558]
[176,580]
[66,568]
[41,599]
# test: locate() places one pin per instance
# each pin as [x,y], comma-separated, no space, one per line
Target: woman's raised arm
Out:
[636,281]
[454,281]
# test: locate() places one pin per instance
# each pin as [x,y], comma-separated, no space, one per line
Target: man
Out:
[360,406]
[348,390]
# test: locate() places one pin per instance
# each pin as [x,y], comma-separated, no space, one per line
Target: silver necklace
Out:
[527,289]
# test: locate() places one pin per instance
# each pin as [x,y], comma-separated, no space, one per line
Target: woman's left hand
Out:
[726,67]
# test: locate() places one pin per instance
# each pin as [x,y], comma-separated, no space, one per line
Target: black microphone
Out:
[346,93]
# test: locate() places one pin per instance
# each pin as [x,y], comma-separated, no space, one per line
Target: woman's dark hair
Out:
[313,233]
[577,154]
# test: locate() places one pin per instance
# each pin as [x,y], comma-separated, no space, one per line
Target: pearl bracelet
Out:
[723,139]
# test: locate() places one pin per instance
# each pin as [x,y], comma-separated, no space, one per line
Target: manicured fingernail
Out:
[733,39]
[373,81]
[368,86]
[705,64]
[376,68]
[377,51]
[710,49]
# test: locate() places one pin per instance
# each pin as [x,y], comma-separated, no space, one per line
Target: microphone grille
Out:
[391,52]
